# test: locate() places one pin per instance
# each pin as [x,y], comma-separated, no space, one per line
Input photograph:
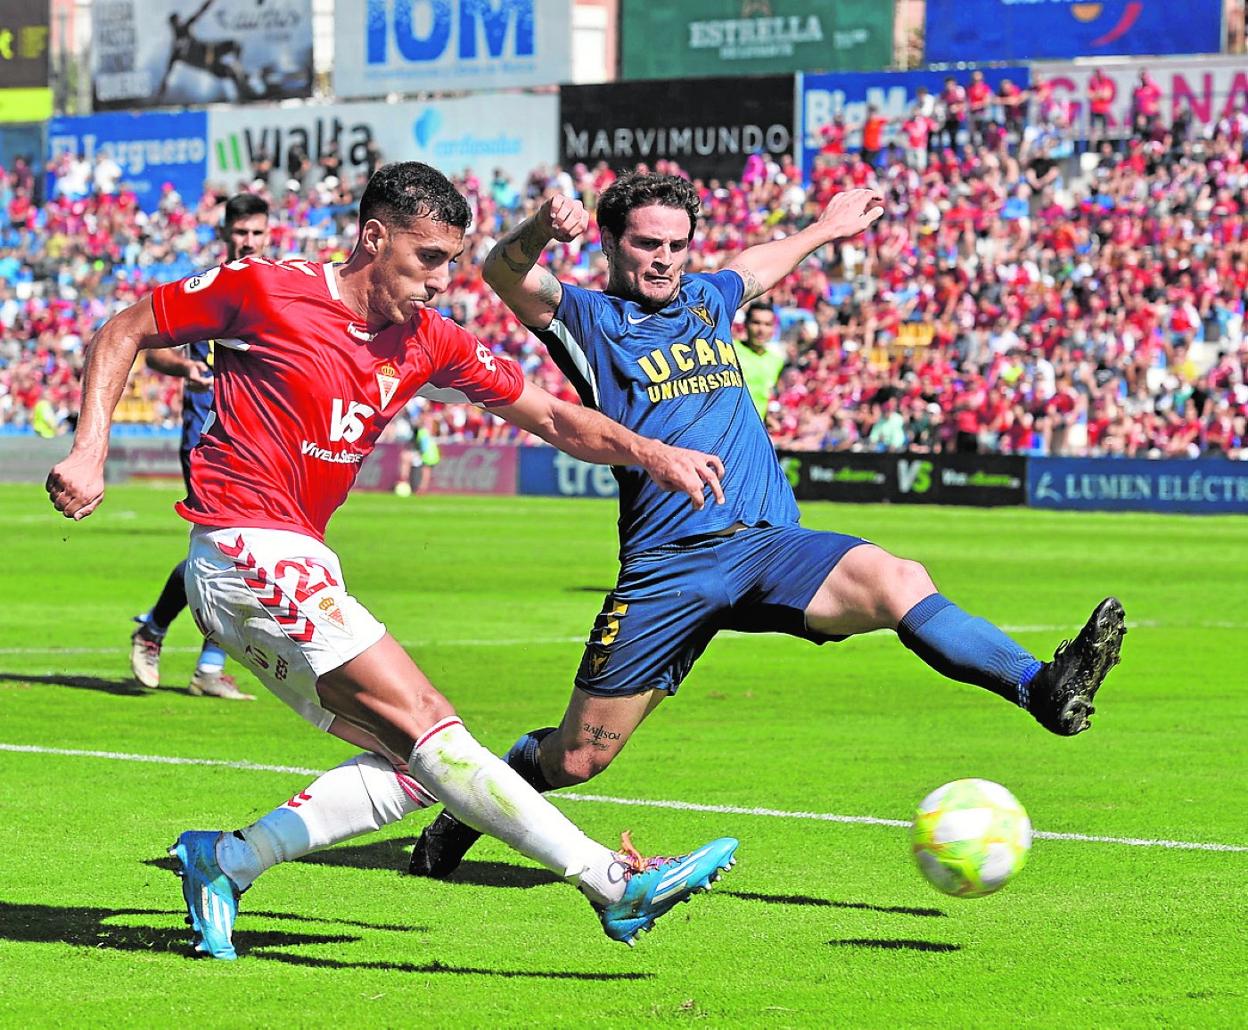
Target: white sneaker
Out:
[217,684]
[145,656]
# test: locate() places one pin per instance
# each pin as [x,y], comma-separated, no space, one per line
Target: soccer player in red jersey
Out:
[313,361]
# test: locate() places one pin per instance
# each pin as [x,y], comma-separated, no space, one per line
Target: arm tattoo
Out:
[752,287]
[549,290]
[531,241]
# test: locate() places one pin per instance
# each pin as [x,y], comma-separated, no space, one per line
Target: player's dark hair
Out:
[634,190]
[759,305]
[399,193]
[243,205]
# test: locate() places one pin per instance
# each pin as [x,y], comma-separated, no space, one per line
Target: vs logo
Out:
[914,476]
[348,425]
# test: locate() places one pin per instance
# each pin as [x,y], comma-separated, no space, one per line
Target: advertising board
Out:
[406,46]
[821,97]
[547,472]
[1211,87]
[515,132]
[1019,30]
[979,480]
[158,53]
[744,37]
[470,468]
[1202,486]
[152,148]
[24,92]
[710,132]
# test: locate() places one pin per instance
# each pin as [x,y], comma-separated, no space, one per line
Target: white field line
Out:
[528,641]
[681,806]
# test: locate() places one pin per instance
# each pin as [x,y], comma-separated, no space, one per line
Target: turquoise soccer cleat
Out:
[211,897]
[657,885]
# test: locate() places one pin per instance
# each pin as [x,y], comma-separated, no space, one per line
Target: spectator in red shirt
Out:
[833,137]
[916,130]
[1145,105]
[1101,93]
[953,97]
[1013,108]
[980,97]
[873,135]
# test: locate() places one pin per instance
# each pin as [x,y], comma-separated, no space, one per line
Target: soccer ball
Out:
[970,837]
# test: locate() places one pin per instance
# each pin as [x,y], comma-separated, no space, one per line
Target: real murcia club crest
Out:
[387,382]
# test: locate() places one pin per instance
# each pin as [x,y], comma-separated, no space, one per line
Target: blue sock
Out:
[211,658]
[967,648]
[523,758]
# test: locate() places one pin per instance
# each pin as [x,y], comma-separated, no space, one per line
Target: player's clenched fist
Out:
[851,212]
[690,472]
[563,218]
[76,486]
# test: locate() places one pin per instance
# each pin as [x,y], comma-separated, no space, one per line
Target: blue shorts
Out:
[671,600]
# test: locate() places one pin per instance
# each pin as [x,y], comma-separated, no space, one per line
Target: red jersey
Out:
[1101,90]
[980,96]
[303,390]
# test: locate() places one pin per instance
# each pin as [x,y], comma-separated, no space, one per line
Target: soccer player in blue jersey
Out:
[654,351]
[245,229]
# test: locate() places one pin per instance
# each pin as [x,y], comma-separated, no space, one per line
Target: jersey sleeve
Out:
[467,366]
[728,284]
[578,311]
[207,305]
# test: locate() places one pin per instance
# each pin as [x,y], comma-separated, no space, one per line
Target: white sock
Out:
[359,796]
[481,790]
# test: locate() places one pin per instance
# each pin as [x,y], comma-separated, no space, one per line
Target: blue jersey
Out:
[196,404]
[673,375]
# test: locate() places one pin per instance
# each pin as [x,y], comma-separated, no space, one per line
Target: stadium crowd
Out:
[1020,296]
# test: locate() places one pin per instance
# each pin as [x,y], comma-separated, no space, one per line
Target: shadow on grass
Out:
[442,967]
[87,927]
[92,928]
[802,899]
[122,687]
[895,945]
[394,854]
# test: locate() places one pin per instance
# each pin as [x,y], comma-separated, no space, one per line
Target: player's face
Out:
[760,327]
[413,266]
[649,256]
[249,235]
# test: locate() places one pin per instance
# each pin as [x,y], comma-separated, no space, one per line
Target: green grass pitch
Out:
[821,923]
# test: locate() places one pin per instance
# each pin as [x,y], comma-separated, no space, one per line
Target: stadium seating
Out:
[1100,311]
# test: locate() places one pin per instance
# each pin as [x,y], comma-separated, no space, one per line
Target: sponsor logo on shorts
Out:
[330,607]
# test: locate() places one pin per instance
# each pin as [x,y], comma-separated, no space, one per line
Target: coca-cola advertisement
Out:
[469,468]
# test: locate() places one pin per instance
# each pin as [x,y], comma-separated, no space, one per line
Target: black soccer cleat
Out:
[441,847]
[1060,696]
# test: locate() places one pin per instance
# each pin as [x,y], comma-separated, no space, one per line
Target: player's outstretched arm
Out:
[76,485]
[511,266]
[174,361]
[846,215]
[591,436]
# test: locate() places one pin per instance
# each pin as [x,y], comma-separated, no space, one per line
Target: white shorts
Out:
[275,601]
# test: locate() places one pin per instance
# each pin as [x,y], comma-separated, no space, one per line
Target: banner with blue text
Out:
[1203,486]
[151,148]
[401,46]
[822,97]
[547,472]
